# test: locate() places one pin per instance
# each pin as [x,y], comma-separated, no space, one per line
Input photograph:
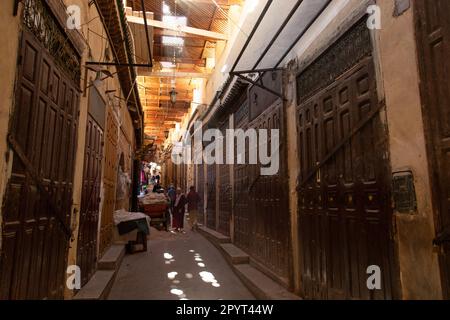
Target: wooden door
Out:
[201,192]
[344,187]
[211,197]
[225,189]
[44,126]
[433,38]
[241,183]
[90,201]
[269,219]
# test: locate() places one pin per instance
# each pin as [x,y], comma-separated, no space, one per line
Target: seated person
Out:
[157,188]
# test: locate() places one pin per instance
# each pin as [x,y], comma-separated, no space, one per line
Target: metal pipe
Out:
[146,33]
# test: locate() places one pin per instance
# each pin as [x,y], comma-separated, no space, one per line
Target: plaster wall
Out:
[10,26]
[419,269]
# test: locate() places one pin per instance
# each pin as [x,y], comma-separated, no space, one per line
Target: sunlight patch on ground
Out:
[177,292]
[208,277]
[168,256]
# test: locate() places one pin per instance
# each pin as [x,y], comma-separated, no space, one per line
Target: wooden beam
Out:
[173,27]
[219,2]
[180,97]
[199,62]
[158,109]
[176,74]
[171,33]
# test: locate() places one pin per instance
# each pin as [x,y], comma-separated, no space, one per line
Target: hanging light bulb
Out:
[173,96]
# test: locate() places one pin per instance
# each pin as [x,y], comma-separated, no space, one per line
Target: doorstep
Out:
[213,235]
[233,254]
[112,259]
[99,286]
[262,286]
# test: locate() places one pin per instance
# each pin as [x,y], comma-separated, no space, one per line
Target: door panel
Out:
[261,213]
[268,203]
[201,191]
[241,183]
[211,197]
[90,200]
[34,249]
[224,191]
[433,36]
[344,205]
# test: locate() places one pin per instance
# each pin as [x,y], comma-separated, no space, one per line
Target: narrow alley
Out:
[225,150]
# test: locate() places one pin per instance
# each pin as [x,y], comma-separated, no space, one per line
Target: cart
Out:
[157,208]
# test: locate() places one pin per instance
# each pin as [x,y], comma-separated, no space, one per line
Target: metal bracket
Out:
[255,77]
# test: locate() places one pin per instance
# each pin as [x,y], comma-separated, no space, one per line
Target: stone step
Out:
[112,259]
[98,287]
[262,286]
[233,254]
[215,236]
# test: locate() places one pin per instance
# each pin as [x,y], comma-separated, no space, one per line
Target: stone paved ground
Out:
[177,266]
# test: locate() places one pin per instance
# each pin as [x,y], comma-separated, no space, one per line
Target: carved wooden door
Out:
[241,183]
[35,238]
[433,35]
[90,201]
[269,238]
[211,197]
[344,205]
[225,189]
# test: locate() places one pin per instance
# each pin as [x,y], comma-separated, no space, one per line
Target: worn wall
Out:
[10,26]
[126,147]
[419,271]
[95,35]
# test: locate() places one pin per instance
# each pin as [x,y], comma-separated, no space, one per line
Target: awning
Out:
[281,28]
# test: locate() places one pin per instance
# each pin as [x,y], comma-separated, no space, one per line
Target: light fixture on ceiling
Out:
[172,41]
[173,96]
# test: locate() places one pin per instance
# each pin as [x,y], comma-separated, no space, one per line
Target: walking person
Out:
[179,210]
[172,195]
[193,200]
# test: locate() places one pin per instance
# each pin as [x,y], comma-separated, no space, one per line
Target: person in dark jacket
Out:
[193,200]
[179,210]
